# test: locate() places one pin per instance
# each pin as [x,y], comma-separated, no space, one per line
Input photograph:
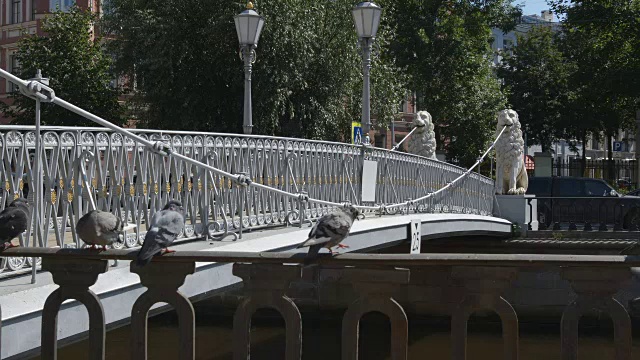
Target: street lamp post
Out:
[248,26]
[366,16]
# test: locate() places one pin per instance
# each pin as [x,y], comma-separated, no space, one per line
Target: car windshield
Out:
[597,188]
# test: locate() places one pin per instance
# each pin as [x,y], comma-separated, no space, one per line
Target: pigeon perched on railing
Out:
[99,228]
[165,226]
[14,220]
[330,230]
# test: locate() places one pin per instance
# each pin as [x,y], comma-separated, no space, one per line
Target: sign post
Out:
[415,232]
[356,132]
[618,146]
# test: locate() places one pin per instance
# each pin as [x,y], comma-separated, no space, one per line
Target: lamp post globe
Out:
[366,16]
[248,26]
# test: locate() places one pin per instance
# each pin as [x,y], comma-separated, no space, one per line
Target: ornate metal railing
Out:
[227,183]
[595,213]
[129,178]
[456,284]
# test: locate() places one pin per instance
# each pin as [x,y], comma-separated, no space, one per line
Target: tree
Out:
[536,77]
[71,56]
[603,39]
[306,80]
[446,48]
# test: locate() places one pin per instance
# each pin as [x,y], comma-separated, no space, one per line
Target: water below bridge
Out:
[321,338]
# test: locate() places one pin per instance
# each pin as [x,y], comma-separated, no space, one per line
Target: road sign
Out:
[415,231]
[356,132]
[618,146]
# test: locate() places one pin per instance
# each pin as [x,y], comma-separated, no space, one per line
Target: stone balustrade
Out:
[458,284]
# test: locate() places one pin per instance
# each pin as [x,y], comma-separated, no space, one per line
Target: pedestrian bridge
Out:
[248,194]
[228,184]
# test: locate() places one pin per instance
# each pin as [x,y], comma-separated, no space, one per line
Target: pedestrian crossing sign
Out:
[356,132]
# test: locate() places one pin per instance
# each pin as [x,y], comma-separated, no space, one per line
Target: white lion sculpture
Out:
[423,141]
[511,175]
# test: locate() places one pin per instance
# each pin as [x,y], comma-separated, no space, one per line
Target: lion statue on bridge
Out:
[511,175]
[423,141]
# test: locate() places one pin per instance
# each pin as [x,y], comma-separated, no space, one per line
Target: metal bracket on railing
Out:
[303,201]
[161,148]
[242,180]
[303,197]
[37,89]
[409,205]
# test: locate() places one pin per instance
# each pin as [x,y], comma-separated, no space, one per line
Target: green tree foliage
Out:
[605,35]
[306,80]
[446,47]
[602,38]
[71,56]
[536,76]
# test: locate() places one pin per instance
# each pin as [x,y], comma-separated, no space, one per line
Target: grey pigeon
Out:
[14,220]
[330,230]
[99,228]
[165,226]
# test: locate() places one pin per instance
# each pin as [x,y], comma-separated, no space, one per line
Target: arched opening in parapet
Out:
[75,313]
[162,333]
[485,335]
[596,336]
[267,335]
[374,342]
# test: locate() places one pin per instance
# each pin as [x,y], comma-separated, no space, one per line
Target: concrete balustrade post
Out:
[595,288]
[376,288]
[483,287]
[265,285]
[162,281]
[74,279]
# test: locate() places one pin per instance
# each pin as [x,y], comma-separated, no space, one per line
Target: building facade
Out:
[503,42]
[20,18]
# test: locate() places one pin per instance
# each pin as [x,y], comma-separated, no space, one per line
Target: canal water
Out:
[428,339]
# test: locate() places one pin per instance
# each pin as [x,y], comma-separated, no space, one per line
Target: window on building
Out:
[380,140]
[16,11]
[404,106]
[507,46]
[61,5]
[14,68]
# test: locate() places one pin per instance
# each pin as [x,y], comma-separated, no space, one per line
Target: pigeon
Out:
[330,230]
[99,228]
[14,220]
[165,226]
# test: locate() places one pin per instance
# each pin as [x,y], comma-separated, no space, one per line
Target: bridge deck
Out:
[118,288]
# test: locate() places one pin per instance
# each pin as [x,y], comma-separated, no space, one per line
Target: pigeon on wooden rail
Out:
[330,230]
[99,228]
[14,220]
[165,226]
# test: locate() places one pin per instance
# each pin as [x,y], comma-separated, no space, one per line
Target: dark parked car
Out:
[587,202]
[635,192]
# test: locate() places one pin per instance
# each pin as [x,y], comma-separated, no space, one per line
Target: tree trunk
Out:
[583,158]
[610,158]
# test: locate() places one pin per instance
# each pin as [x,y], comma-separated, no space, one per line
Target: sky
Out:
[531,7]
